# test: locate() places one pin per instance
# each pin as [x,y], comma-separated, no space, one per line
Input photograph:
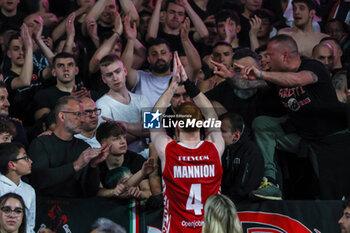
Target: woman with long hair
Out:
[12,214]
[220,216]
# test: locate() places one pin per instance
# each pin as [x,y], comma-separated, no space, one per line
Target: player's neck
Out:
[307,28]
[171,31]
[8,13]
[65,87]
[190,139]
[120,96]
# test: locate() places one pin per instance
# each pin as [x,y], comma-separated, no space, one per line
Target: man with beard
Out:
[64,69]
[302,31]
[62,164]
[90,121]
[118,104]
[152,83]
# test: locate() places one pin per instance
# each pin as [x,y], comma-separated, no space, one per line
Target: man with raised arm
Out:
[316,124]
[191,168]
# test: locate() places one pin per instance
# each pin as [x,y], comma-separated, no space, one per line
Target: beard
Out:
[160,66]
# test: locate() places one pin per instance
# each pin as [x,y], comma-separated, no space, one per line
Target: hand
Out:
[255,24]
[210,19]
[46,230]
[183,3]
[185,29]
[83,92]
[70,29]
[27,40]
[129,31]
[148,167]
[119,189]
[38,29]
[221,70]
[230,33]
[47,132]
[85,157]
[134,192]
[180,68]
[118,25]
[249,72]
[48,41]
[91,27]
[102,156]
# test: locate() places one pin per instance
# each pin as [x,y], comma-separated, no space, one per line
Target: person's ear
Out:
[238,28]
[236,135]
[53,72]
[61,116]
[11,165]
[312,13]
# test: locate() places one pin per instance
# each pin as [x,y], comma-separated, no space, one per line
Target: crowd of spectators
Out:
[77,75]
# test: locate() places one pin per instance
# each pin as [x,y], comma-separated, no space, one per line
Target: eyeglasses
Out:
[90,112]
[7,210]
[26,158]
[76,114]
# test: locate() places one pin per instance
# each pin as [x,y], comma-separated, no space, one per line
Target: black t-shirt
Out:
[12,22]
[47,98]
[174,41]
[53,173]
[223,93]
[132,160]
[243,35]
[313,110]
[21,99]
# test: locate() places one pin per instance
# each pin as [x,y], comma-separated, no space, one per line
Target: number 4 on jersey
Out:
[194,200]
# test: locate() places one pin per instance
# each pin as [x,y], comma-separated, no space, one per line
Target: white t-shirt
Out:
[131,113]
[151,86]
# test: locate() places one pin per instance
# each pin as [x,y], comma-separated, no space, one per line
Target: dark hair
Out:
[15,36]
[347,203]
[265,14]
[342,23]
[5,127]
[224,43]
[62,55]
[145,13]
[235,119]
[227,13]
[109,59]
[171,1]
[157,41]
[8,152]
[61,102]
[261,49]
[5,197]
[245,52]
[108,129]
[311,4]
[2,84]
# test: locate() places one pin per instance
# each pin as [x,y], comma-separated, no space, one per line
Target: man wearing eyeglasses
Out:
[62,164]
[14,163]
[90,121]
